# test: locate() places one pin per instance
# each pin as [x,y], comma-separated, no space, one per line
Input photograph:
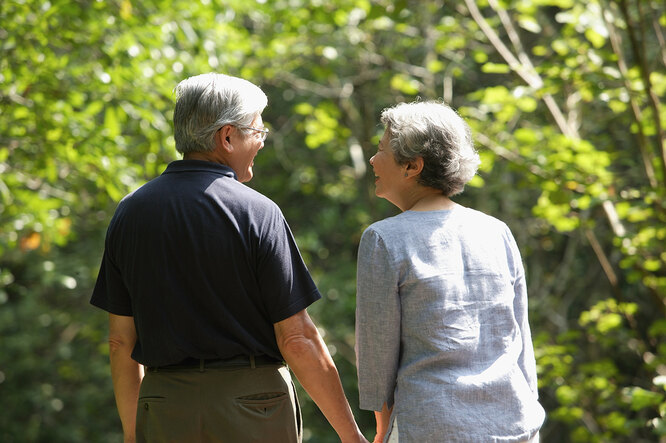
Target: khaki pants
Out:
[219,405]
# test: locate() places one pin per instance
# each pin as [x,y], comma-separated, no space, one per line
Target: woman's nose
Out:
[372,159]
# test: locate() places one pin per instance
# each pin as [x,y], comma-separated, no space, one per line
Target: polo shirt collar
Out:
[199,166]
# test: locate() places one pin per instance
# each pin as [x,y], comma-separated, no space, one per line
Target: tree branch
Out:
[639,52]
[660,38]
[525,71]
[603,259]
[512,34]
[530,77]
[646,154]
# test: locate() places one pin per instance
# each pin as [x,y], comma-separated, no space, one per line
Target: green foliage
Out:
[596,394]
[563,99]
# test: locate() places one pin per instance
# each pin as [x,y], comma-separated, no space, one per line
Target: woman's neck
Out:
[428,199]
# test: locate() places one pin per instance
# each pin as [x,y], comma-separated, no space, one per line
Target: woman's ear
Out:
[414,167]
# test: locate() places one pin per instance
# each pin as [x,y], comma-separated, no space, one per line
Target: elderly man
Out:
[207,292]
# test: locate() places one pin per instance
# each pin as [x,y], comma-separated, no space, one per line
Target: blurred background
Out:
[565,99]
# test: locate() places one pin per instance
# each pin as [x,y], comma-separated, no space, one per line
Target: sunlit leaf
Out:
[404,84]
[640,398]
[495,68]
[596,39]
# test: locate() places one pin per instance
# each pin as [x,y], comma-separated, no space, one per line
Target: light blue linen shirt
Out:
[442,331]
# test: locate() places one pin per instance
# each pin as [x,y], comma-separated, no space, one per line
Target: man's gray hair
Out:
[207,102]
[434,131]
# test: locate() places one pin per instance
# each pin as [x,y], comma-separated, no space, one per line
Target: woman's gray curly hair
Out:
[434,131]
[207,102]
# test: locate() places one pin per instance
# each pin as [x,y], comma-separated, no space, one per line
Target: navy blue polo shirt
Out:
[204,264]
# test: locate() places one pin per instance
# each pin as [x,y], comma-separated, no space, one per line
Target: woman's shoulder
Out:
[390,226]
[478,227]
[411,221]
[475,219]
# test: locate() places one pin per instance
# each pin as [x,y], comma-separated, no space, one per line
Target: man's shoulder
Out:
[244,195]
[187,188]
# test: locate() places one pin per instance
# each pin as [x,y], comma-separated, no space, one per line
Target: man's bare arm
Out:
[306,354]
[125,372]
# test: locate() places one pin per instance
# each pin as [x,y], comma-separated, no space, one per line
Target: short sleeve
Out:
[284,281]
[377,322]
[110,292]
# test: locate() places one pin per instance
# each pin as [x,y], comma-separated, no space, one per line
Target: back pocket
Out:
[264,404]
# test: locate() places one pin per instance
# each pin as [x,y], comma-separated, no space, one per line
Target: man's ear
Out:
[223,138]
[414,167]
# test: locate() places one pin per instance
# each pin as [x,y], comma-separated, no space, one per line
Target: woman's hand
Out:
[382,417]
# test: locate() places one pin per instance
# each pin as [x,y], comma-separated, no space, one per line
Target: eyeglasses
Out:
[263,132]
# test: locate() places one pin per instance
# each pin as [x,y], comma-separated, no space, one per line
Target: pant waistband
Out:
[240,361]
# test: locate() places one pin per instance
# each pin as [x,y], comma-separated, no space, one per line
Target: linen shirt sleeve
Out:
[377,323]
[526,360]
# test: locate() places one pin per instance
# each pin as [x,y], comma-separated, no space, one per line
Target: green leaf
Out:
[640,398]
[404,84]
[111,123]
[595,38]
[495,68]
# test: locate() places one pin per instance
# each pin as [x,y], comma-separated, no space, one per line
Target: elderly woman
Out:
[442,339]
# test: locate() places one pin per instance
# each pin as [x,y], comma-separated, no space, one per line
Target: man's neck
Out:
[212,156]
